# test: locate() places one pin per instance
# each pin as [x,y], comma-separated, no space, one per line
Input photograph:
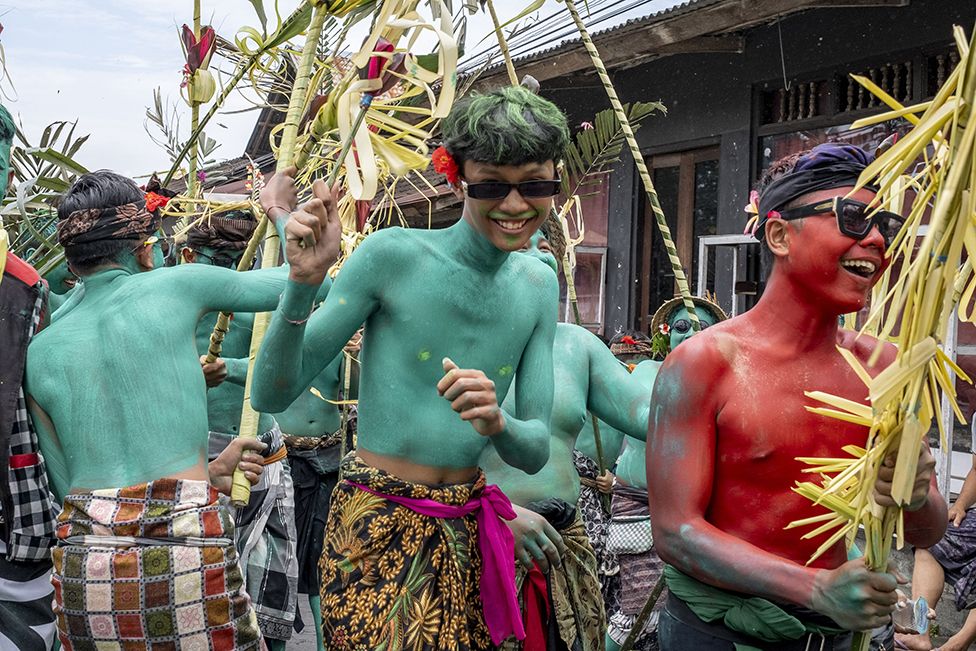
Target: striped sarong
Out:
[152,566]
[26,618]
[267,539]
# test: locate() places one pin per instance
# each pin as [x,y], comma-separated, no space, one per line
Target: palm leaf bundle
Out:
[905,397]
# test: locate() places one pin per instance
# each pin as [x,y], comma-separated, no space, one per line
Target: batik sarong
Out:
[150,567]
[395,578]
[266,539]
[639,573]
[956,553]
[573,598]
[596,521]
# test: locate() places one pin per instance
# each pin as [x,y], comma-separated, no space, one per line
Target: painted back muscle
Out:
[108,399]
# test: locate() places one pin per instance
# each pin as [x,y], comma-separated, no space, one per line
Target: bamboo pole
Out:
[660,220]
[193,184]
[503,44]
[241,490]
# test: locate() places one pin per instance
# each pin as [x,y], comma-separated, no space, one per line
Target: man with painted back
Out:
[115,388]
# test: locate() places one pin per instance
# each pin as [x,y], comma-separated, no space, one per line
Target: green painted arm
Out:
[619,398]
[236,370]
[288,362]
[524,443]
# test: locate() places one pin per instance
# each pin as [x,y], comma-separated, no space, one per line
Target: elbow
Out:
[535,458]
[667,544]
[267,398]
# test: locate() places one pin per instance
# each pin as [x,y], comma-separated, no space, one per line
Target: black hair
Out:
[777,169]
[100,189]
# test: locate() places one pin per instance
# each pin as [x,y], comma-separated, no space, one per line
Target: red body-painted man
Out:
[728,420]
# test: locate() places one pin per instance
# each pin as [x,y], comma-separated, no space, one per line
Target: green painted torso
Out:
[101,407]
[310,415]
[434,304]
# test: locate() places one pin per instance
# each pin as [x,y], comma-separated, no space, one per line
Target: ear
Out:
[778,237]
[458,192]
[144,256]
[189,255]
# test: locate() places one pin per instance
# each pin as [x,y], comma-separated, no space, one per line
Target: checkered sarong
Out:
[151,566]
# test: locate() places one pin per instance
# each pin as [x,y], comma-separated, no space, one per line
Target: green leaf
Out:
[262,15]
[592,151]
[51,155]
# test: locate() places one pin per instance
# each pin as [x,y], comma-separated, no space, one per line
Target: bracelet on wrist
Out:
[294,321]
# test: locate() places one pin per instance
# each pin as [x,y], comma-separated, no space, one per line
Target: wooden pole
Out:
[241,490]
[503,44]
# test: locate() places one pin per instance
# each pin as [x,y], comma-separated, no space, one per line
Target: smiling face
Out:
[829,267]
[507,223]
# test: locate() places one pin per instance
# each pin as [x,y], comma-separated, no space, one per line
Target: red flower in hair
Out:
[444,164]
[627,339]
[155,201]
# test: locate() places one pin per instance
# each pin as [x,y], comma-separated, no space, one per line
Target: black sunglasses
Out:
[683,326]
[854,218]
[224,260]
[541,189]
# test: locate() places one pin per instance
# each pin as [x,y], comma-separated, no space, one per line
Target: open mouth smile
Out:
[860,268]
[511,225]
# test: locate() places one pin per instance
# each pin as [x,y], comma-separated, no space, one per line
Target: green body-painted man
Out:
[640,570]
[267,537]
[550,538]
[116,390]
[450,316]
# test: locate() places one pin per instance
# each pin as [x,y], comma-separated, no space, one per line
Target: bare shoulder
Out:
[534,273]
[712,350]
[863,347]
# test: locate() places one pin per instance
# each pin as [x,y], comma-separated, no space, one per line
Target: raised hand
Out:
[472,395]
[312,236]
[280,195]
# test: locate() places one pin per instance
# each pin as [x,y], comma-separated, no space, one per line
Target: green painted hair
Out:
[508,126]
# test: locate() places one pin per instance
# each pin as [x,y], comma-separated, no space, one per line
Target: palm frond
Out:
[594,149]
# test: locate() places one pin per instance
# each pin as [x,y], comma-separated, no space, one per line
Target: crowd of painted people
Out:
[506,481]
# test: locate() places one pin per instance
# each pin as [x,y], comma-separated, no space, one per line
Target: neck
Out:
[793,319]
[473,248]
[104,277]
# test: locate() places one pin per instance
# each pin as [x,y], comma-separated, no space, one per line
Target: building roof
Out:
[552,47]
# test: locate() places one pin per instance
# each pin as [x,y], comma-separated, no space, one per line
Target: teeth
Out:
[510,225]
[866,265]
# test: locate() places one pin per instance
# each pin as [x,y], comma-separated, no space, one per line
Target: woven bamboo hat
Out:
[670,307]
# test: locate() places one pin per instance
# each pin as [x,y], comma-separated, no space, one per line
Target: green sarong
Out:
[754,616]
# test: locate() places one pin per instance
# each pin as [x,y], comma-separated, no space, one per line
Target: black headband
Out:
[826,166]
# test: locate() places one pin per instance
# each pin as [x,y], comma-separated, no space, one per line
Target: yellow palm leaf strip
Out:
[855,364]
[907,112]
[830,542]
[808,521]
[840,415]
[898,107]
[896,377]
[850,406]
[906,464]
[833,523]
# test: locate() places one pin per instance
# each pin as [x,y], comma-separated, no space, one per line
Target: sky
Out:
[98,62]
